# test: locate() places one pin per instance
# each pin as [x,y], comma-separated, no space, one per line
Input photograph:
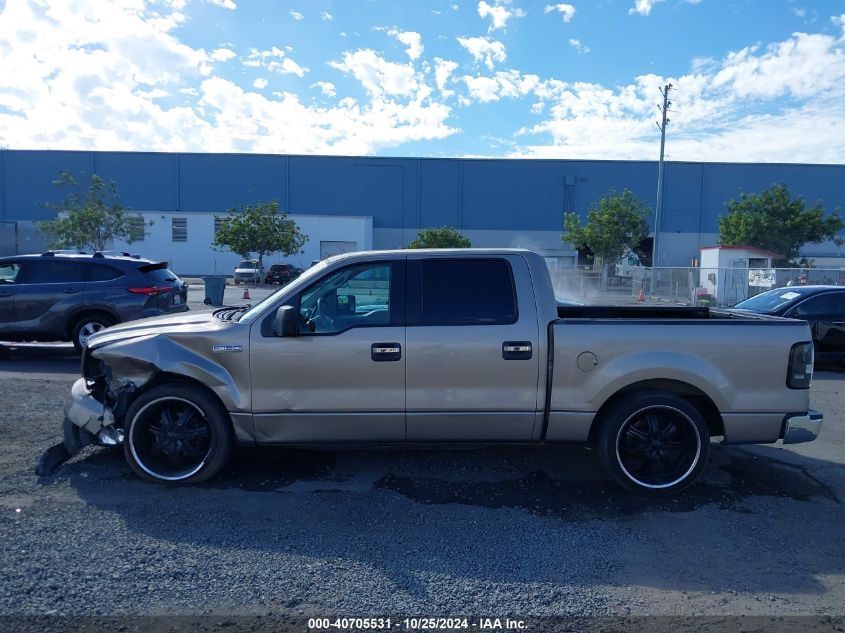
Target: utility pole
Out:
[655,251]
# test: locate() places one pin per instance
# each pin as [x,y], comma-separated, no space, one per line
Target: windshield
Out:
[247,264]
[304,279]
[769,301]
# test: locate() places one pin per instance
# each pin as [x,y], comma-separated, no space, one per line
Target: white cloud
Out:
[291,67]
[377,75]
[498,13]
[296,15]
[274,59]
[225,4]
[222,54]
[411,39]
[325,15]
[798,12]
[110,76]
[567,11]
[644,7]
[443,69]
[326,87]
[578,46]
[483,49]
[730,112]
[260,83]
[504,84]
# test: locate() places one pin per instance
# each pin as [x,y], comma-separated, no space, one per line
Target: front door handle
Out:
[382,352]
[517,350]
[70,291]
[5,294]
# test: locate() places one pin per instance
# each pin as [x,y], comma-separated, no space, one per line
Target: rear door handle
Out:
[517,350]
[70,291]
[383,352]
[5,294]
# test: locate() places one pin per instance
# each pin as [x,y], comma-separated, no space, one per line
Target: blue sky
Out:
[754,80]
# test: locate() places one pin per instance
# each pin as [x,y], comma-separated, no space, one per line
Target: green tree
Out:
[776,221]
[444,237]
[86,219]
[260,229]
[616,223]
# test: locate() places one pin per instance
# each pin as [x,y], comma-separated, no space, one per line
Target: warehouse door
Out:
[330,248]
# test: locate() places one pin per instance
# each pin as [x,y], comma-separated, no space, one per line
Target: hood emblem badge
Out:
[219,349]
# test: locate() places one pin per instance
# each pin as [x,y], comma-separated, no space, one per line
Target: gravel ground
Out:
[527,531]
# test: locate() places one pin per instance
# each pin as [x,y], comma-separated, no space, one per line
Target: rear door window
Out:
[49,272]
[468,291]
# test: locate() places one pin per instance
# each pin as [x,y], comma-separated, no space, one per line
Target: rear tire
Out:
[177,433]
[87,326]
[653,443]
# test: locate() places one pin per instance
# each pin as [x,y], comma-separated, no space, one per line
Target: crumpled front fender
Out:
[137,360]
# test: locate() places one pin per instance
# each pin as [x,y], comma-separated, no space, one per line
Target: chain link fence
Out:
[721,287]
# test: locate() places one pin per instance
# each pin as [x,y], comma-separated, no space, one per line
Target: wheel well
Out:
[87,313]
[167,378]
[695,396]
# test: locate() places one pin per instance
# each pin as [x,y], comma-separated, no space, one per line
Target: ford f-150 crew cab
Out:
[443,346]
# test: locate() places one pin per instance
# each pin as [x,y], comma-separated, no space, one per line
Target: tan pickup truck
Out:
[427,347]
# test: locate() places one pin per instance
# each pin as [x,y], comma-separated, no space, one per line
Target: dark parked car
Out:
[823,307]
[282,274]
[69,297]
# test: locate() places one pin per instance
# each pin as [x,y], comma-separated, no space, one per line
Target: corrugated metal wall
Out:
[405,193]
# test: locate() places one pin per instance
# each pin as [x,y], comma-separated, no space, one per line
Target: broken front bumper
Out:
[803,427]
[84,411]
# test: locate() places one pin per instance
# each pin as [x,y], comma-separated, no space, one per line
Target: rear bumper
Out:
[802,427]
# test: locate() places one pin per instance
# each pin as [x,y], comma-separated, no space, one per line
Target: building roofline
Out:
[429,158]
[760,251]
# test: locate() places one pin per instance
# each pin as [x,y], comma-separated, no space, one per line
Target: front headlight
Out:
[800,371]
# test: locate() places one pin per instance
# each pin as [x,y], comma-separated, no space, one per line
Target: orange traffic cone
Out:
[246,293]
[642,296]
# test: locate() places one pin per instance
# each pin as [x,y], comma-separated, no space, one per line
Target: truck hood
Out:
[184,323]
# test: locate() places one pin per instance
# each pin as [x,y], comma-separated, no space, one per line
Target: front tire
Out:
[177,434]
[86,327]
[653,443]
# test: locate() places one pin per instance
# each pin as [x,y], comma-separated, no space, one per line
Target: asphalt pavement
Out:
[517,530]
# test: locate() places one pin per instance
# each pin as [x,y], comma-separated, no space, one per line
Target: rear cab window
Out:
[462,292]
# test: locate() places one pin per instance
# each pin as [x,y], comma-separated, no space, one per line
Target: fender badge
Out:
[217,349]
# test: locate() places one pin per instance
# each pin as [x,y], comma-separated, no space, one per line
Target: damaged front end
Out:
[121,363]
[95,409]
[98,401]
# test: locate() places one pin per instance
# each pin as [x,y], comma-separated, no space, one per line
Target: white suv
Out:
[247,272]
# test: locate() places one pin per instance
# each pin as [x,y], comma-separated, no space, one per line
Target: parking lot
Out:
[529,531]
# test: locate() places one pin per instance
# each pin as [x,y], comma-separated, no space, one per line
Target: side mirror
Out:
[285,321]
